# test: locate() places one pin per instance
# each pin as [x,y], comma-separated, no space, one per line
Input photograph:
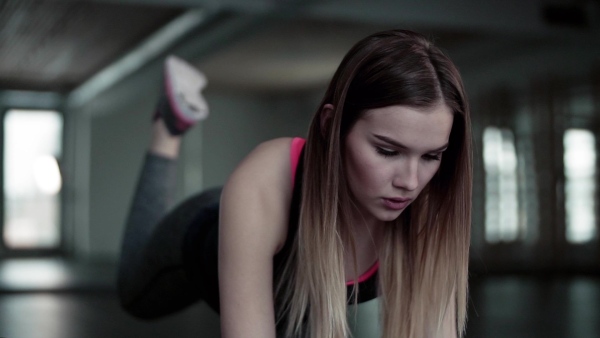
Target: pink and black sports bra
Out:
[367,282]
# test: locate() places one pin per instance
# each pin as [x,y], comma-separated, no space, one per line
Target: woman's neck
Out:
[367,240]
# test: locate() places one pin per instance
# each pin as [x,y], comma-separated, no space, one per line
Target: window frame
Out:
[519,231]
[579,256]
[25,100]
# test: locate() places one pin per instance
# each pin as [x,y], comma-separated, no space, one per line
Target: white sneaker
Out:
[183,88]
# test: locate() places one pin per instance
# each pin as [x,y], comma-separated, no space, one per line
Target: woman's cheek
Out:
[431,172]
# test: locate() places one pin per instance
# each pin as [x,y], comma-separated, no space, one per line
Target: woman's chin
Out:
[390,216]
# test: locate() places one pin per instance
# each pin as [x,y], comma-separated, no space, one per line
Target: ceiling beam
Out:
[153,46]
[506,17]
[238,5]
[30,99]
[490,16]
[220,31]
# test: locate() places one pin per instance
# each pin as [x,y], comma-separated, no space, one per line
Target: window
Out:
[501,191]
[580,185]
[32,179]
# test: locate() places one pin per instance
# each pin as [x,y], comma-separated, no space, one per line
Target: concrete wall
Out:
[240,122]
[120,130]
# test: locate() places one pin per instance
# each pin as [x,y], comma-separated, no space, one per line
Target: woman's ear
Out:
[326,118]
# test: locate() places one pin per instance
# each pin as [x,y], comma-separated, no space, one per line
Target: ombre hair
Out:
[424,259]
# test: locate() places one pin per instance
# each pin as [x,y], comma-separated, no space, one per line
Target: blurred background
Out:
[79,81]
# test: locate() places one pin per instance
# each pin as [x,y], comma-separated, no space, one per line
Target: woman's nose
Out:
[406,176]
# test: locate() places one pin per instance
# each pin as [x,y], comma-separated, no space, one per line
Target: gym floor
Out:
[79,301]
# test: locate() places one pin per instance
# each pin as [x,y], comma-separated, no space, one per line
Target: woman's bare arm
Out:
[253,227]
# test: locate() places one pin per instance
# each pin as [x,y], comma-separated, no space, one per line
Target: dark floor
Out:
[529,306]
[78,301]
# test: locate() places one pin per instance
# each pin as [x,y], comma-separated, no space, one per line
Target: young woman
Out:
[374,203]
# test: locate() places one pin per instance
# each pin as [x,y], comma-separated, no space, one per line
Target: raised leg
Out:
[153,279]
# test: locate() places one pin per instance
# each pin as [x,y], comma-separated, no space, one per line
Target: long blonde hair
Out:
[424,259]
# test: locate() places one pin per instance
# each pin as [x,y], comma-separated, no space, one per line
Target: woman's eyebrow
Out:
[402,146]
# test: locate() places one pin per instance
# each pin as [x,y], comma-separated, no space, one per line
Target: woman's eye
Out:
[386,152]
[433,157]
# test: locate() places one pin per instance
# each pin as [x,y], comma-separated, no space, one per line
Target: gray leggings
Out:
[168,258]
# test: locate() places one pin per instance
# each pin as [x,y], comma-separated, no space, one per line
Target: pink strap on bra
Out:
[295,151]
[366,275]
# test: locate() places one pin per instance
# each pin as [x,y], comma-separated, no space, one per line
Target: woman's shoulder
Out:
[269,162]
[260,190]
[276,147]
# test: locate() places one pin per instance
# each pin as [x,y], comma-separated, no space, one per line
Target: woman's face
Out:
[391,154]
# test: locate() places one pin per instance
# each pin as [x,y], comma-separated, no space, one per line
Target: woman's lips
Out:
[396,203]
